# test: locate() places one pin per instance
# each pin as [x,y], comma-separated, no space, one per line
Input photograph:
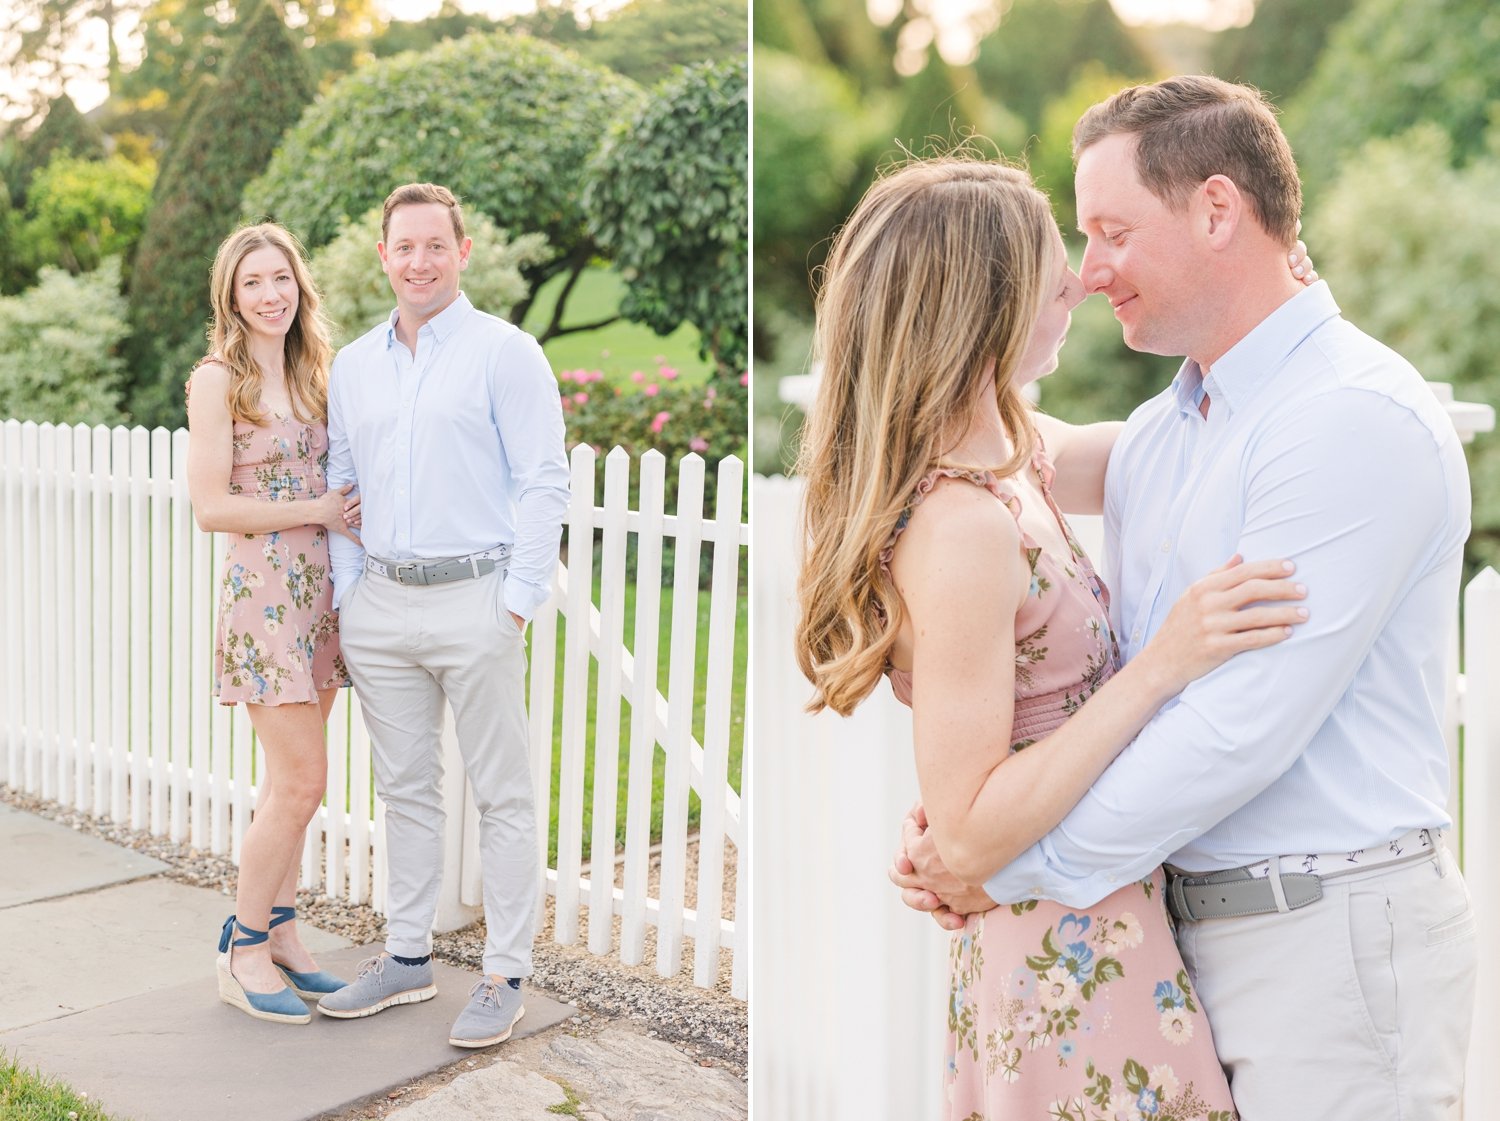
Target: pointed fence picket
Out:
[106,644]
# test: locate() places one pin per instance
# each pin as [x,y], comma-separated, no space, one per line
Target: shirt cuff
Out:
[523,597]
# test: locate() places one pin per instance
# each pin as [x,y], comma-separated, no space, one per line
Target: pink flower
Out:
[564,375]
[637,376]
[698,444]
[659,421]
[668,373]
[581,398]
[652,390]
[745,378]
[712,393]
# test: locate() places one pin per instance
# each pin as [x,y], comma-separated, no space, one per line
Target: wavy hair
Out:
[935,280]
[308,349]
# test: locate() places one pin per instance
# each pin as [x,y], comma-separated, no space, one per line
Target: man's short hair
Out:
[1193,127]
[415,193]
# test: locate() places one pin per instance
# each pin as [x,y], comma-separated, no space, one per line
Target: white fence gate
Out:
[851,988]
[106,642]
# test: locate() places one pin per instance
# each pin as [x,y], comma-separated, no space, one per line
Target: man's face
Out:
[1141,254]
[422,258]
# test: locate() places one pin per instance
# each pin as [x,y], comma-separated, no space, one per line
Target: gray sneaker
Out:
[382,981]
[492,1012]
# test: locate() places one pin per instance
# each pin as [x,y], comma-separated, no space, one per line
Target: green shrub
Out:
[58,348]
[507,122]
[63,131]
[228,140]
[80,211]
[357,295]
[667,199]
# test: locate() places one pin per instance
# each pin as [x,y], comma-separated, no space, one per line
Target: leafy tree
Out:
[667,199]
[59,345]
[448,22]
[229,140]
[1279,48]
[357,295]
[647,38]
[1391,64]
[186,43]
[1044,47]
[1051,156]
[507,122]
[63,131]
[79,212]
[1426,284]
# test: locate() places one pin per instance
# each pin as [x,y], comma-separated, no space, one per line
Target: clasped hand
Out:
[925,882]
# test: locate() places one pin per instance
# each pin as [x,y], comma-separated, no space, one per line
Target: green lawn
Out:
[27,1095]
[620,348]
[736,727]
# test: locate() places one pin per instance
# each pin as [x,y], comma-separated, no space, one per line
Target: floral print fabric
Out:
[1060,1013]
[277,639]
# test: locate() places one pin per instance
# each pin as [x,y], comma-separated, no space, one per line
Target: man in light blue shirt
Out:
[450,422]
[1297,793]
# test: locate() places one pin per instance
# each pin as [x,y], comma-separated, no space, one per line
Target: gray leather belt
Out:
[422,573]
[1232,893]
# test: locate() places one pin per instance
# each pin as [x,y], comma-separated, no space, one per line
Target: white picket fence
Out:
[851,989]
[106,642]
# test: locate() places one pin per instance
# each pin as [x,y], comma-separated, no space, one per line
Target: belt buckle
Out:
[416,571]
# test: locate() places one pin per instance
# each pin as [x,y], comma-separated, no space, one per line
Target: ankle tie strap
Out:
[280,915]
[252,937]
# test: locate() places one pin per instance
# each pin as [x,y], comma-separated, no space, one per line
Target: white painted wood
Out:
[159,565]
[221,800]
[101,617]
[336,823]
[575,688]
[680,690]
[1480,828]
[541,710]
[361,806]
[13,633]
[120,646]
[205,831]
[716,717]
[180,685]
[83,618]
[67,651]
[607,701]
[30,611]
[41,775]
[140,629]
[643,698]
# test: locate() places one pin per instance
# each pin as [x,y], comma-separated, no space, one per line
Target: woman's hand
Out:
[1224,614]
[1301,264]
[351,510]
[329,511]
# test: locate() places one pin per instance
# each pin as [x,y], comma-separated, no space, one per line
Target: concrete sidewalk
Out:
[107,983]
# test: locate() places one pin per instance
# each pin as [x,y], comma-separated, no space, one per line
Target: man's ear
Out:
[1222,206]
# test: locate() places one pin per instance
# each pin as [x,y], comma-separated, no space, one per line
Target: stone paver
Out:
[178,1054]
[44,860]
[507,1092]
[66,955]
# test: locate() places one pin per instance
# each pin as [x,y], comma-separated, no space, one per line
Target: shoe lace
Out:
[488,993]
[375,965]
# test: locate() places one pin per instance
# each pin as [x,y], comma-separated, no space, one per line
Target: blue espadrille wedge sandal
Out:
[309,986]
[283,1007]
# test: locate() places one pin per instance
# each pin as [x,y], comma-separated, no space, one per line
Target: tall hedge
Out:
[668,200]
[506,121]
[63,131]
[236,125]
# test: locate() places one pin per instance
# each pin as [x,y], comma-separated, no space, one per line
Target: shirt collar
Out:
[1248,365]
[443,324]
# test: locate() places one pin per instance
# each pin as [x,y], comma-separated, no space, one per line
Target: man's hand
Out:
[924,880]
[520,622]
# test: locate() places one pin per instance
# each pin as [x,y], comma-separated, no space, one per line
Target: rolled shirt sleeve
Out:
[346,557]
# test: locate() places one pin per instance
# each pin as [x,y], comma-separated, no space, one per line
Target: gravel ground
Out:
[708,1024]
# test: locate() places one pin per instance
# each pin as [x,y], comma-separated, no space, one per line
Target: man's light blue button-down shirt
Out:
[1324,447]
[456,448]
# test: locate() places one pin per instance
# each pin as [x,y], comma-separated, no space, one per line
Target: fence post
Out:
[1481,829]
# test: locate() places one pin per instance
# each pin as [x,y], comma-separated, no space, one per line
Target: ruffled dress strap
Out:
[985,479]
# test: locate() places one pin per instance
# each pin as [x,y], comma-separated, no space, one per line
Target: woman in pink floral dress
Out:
[938,556]
[258,410]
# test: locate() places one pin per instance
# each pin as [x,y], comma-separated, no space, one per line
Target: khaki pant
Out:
[407,648]
[1356,1007]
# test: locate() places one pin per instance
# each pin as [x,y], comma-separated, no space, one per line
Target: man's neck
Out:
[1250,303]
[408,323]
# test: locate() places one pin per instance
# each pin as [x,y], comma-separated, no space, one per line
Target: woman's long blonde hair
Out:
[935,279]
[308,349]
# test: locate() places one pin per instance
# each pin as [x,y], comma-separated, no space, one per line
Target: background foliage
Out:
[667,199]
